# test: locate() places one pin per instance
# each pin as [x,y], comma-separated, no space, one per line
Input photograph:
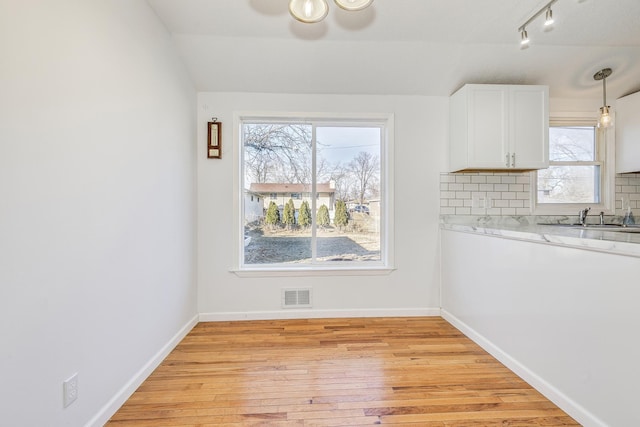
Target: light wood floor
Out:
[334,372]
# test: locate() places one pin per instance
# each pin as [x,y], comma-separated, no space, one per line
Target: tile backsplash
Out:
[628,189]
[485,193]
[508,194]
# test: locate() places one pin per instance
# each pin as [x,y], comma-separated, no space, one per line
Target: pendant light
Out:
[309,11]
[604,121]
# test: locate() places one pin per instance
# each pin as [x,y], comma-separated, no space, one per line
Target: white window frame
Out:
[605,153]
[386,264]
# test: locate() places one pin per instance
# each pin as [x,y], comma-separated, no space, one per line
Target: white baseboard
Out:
[578,412]
[127,390]
[318,314]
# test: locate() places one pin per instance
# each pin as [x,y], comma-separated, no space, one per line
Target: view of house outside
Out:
[287,219]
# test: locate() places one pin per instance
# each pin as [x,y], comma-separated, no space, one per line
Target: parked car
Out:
[360,208]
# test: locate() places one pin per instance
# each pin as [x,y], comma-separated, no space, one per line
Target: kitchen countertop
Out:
[528,229]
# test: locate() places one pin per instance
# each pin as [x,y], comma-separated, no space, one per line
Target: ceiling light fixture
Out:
[604,121]
[312,11]
[308,11]
[547,23]
[548,18]
[524,38]
[352,5]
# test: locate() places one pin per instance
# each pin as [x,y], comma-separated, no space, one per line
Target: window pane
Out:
[569,184]
[277,167]
[295,214]
[348,163]
[568,144]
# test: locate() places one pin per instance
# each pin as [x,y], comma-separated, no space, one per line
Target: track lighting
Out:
[547,22]
[312,11]
[604,121]
[524,38]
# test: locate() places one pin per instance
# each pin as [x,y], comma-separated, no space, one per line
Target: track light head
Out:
[524,38]
[548,21]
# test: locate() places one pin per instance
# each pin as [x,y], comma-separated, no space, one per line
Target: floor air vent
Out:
[296,298]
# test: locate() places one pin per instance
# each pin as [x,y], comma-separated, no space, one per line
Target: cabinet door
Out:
[529,130]
[487,132]
[628,133]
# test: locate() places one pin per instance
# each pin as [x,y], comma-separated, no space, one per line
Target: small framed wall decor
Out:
[214,139]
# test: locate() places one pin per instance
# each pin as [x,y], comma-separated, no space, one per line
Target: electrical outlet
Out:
[479,202]
[70,390]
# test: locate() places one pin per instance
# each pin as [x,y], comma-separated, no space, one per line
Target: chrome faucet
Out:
[582,216]
[601,218]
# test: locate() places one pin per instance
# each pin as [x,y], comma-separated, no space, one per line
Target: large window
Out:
[324,190]
[577,176]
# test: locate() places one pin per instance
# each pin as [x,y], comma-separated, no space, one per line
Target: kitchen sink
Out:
[602,227]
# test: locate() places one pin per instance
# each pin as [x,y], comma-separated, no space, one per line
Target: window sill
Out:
[311,272]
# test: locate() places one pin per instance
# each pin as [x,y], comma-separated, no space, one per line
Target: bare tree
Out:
[277,152]
[365,171]
[282,153]
[336,172]
[324,169]
[569,183]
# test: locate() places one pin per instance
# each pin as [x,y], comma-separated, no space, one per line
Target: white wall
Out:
[420,142]
[97,203]
[567,317]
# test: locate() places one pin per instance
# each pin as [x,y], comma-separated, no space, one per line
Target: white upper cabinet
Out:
[499,127]
[628,133]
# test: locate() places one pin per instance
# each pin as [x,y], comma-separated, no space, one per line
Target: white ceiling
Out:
[403,47]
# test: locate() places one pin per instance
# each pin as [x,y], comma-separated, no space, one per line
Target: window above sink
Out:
[581,169]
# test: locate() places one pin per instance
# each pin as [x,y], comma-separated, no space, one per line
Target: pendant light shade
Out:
[604,121]
[309,11]
[353,4]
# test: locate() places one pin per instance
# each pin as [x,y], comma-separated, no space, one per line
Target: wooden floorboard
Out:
[334,372]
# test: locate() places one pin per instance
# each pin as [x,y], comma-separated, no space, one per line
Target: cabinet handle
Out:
[507,160]
[513,160]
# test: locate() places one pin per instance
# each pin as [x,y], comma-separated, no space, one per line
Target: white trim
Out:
[309,272]
[319,314]
[575,410]
[112,406]
[386,121]
[238,207]
[605,146]
[388,190]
